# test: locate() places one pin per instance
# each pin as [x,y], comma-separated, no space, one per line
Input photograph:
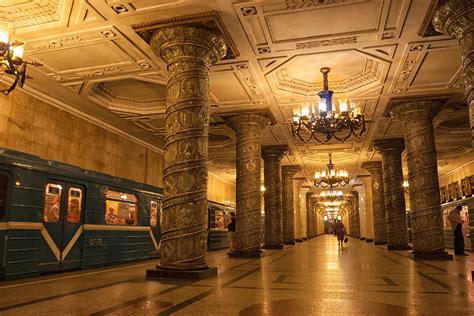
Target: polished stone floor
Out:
[311,278]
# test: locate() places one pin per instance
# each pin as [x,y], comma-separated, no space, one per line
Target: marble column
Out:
[313,219]
[426,215]
[395,212]
[378,201]
[309,207]
[356,213]
[298,209]
[369,224]
[189,52]
[455,18]
[287,173]
[248,128]
[272,155]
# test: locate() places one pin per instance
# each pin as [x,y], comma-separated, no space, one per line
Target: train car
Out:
[219,218]
[54,216]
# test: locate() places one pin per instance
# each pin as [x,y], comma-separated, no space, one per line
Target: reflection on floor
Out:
[311,278]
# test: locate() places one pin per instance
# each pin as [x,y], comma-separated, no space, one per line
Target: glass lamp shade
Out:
[18,52]
[4,36]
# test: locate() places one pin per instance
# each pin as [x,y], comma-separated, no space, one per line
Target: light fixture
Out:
[331,194]
[11,58]
[331,177]
[405,186]
[308,122]
[333,203]
[262,188]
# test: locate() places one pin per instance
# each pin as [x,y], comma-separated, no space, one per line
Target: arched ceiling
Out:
[95,64]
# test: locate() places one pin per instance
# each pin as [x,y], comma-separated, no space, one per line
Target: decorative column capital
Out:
[417,109]
[184,42]
[238,120]
[373,167]
[455,18]
[392,145]
[274,151]
[290,170]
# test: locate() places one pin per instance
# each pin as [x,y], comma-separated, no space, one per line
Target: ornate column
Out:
[426,215]
[189,52]
[297,198]
[248,129]
[309,207]
[313,219]
[287,173]
[378,201]
[395,212]
[369,224]
[272,155]
[455,19]
[356,214]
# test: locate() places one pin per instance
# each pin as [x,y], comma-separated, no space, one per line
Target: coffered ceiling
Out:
[97,65]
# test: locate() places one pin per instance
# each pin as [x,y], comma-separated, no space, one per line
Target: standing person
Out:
[231,231]
[340,232]
[456,221]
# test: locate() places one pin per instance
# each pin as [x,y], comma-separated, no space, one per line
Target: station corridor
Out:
[310,278]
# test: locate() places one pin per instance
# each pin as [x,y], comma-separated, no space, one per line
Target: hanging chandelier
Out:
[11,59]
[308,122]
[331,177]
[330,194]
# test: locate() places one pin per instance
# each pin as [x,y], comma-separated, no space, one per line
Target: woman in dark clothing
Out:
[456,224]
[231,231]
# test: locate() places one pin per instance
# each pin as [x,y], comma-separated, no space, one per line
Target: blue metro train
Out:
[54,216]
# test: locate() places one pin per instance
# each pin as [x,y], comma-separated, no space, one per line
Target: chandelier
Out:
[329,194]
[331,177]
[340,124]
[11,59]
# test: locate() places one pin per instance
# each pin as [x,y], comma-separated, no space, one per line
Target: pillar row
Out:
[248,129]
[272,155]
[426,215]
[189,52]
[395,212]
[309,216]
[356,214]
[378,201]
[288,203]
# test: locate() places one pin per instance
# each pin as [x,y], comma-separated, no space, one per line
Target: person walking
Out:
[456,221]
[231,231]
[340,232]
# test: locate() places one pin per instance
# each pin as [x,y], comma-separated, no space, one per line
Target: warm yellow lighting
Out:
[317,175]
[262,188]
[3,36]
[305,111]
[343,105]
[18,52]
[405,184]
[17,183]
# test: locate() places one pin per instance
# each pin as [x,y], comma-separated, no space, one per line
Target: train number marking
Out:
[95,242]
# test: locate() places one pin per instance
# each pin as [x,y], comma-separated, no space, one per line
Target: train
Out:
[56,217]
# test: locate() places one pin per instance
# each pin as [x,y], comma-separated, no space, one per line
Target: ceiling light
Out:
[308,122]
[331,177]
[12,63]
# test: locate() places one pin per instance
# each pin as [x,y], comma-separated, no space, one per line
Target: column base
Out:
[159,273]
[380,242]
[369,240]
[291,242]
[304,238]
[245,255]
[275,246]
[298,240]
[362,238]
[431,256]
[399,247]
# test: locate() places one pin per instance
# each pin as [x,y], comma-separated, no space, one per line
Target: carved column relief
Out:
[356,214]
[309,207]
[378,201]
[426,215]
[455,19]
[298,209]
[248,129]
[313,216]
[272,155]
[287,173]
[395,213]
[189,53]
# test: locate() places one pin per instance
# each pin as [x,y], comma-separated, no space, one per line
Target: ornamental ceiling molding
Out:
[370,76]
[37,13]
[303,4]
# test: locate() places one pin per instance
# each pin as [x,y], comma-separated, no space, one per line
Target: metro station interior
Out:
[231,157]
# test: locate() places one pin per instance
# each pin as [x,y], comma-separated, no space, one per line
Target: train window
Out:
[121,208]
[74,205]
[3,194]
[219,219]
[52,203]
[155,212]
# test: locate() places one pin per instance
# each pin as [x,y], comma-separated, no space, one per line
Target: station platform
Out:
[311,278]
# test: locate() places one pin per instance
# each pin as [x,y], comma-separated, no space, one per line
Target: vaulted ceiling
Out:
[96,65]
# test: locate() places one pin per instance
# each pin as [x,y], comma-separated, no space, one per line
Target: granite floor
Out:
[310,278]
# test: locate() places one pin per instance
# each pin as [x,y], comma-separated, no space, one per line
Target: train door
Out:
[62,220]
